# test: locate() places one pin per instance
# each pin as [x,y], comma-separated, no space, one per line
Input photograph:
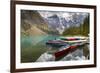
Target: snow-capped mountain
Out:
[61,20]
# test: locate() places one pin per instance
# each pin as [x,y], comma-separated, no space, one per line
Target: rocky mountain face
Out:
[32,23]
[59,21]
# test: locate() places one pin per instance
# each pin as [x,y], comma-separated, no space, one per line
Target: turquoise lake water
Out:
[33,46]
